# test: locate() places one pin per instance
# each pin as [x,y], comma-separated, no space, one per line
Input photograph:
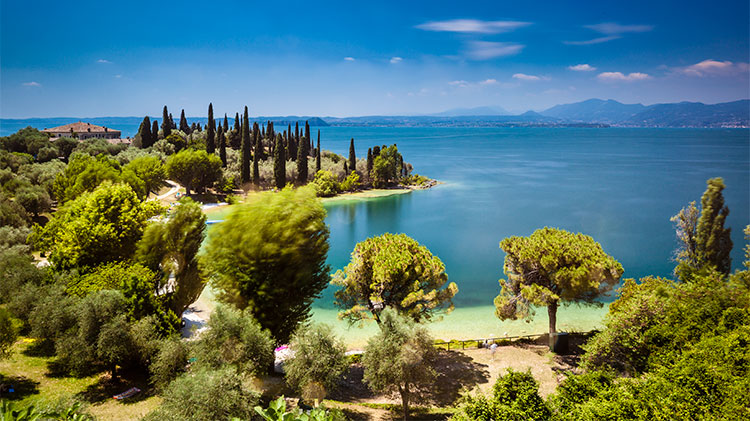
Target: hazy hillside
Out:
[595,110]
[693,114]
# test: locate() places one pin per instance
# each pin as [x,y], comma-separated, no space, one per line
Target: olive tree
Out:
[393,271]
[319,361]
[550,267]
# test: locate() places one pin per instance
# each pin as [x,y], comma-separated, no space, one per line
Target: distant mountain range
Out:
[589,113]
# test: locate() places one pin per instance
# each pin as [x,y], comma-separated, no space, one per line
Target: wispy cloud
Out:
[523,76]
[712,67]
[32,84]
[486,50]
[348,58]
[611,31]
[620,77]
[395,60]
[488,82]
[459,83]
[118,76]
[473,26]
[103,61]
[582,68]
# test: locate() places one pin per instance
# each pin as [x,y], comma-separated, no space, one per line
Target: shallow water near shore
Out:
[619,186]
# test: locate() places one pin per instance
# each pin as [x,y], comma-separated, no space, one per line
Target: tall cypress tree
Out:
[222,147]
[154,133]
[713,241]
[317,155]
[302,161]
[279,163]
[245,152]
[352,156]
[375,151]
[226,123]
[256,157]
[369,162]
[144,133]
[193,127]
[210,127]
[166,125]
[307,138]
[171,122]
[346,168]
[183,123]
[237,122]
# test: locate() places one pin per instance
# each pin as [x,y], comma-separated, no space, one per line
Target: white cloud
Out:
[118,76]
[103,61]
[472,26]
[459,83]
[611,31]
[712,67]
[620,77]
[522,76]
[33,84]
[349,58]
[486,50]
[395,60]
[488,82]
[582,68]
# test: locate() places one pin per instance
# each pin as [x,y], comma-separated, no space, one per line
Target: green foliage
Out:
[8,333]
[245,148]
[166,124]
[268,256]
[234,338]
[350,183]
[325,184]
[27,140]
[96,146]
[279,163]
[148,168]
[277,411]
[393,271]
[177,142]
[12,214]
[74,412]
[85,173]
[399,357]
[515,396]
[98,227]
[194,169]
[318,361]
[169,362]
[17,268]
[553,266]
[386,168]
[42,175]
[35,200]
[171,247]
[206,394]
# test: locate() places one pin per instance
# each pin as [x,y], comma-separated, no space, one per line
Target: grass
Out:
[29,372]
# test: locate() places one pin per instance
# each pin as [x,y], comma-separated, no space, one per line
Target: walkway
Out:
[173,190]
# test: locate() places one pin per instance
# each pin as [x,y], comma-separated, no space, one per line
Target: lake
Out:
[619,186]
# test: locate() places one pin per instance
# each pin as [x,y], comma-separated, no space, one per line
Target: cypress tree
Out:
[307,139]
[263,131]
[279,163]
[369,162]
[245,152]
[210,127]
[302,162]
[346,169]
[183,123]
[237,122]
[713,241]
[296,132]
[226,123]
[171,122]
[256,157]
[222,147]
[256,132]
[154,133]
[317,155]
[375,152]
[193,127]
[166,126]
[144,132]
[352,156]
[198,127]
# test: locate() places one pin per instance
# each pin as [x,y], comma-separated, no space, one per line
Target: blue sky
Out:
[348,58]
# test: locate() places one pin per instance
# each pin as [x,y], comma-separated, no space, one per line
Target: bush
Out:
[350,183]
[515,397]
[325,184]
[169,363]
[8,333]
[277,411]
[206,394]
[318,361]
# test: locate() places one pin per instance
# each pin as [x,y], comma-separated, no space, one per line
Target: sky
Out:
[351,58]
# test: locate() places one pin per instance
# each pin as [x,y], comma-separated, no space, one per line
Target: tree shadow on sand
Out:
[17,387]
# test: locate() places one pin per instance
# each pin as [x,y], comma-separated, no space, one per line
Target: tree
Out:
[226,123]
[8,334]
[34,200]
[279,163]
[317,155]
[155,132]
[237,122]
[268,256]
[245,155]
[84,173]
[325,184]
[258,148]
[515,397]
[184,126]
[386,166]
[319,361]
[148,168]
[144,137]
[97,227]
[393,271]
[302,158]
[166,124]
[352,156]
[171,247]
[222,146]
[194,169]
[549,267]
[400,356]
[211,130]
[369,162]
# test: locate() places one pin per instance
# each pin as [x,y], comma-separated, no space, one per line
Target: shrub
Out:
[515,397]
[169,363]
[350,183]
[325,184]
[318,361]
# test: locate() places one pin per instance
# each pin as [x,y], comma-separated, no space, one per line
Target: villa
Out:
[83,131]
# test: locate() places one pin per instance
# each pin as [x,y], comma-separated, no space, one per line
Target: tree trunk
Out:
[552,312]
[404,398]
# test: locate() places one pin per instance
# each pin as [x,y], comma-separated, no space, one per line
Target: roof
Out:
[80,127]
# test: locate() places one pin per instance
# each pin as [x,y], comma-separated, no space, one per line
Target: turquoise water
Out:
[619,186]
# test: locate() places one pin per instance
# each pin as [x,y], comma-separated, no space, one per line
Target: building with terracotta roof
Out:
[83,131]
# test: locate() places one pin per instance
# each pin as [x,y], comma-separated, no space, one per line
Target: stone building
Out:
[83,131]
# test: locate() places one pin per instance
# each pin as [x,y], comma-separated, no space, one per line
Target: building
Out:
[83,131]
